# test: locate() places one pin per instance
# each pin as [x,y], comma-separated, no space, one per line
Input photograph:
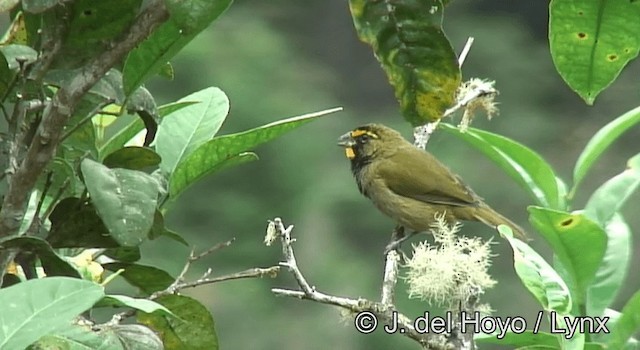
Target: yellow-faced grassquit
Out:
[409,184]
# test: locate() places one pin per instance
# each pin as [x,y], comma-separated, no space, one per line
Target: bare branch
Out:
[179,283]
[256,272]
[390,278]
[465,51]
[384,311]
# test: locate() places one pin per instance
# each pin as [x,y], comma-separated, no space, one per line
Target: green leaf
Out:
[188,18]
[144,305]
[522,164]
[133,158]
[118,337]
[627,325]
[181,132]
[14,54]
[159,229]
[613,269]
[148,279]
[408,40]
[91,28]
[578,243]
[6,75]
[538,276]
[218,152]
[166,71]
[75,224]
[130,130]
[600,142]
[124,199]
[34,308]
[591,41]
[198,166]
[142,103]
[124,254]
[605,202]
[52,263]
[193,330]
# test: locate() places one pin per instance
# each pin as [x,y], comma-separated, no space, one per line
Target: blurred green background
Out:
[276,59]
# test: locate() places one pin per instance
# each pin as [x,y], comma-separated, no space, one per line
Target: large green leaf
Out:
[184,130]
[538,276]
[611,196]
[124,199]
[193,329]
[188,18]
[525,166]
[591,41]
[408,40]
[218,152]
[600,142]
[34,308]
[614,268]
[627,325]
[578,243]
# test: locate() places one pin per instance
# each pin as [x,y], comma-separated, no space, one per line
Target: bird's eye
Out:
[364,138]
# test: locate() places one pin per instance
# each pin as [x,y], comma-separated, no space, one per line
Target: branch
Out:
[468,93]
[57,112]
[384,310]
[180,284]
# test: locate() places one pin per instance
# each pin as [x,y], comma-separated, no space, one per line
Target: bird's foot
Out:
[397,238]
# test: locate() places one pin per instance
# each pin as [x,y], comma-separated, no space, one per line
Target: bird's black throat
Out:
[358,164]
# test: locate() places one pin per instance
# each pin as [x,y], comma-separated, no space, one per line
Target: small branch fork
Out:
[423,132]
[180,282]
[383,310]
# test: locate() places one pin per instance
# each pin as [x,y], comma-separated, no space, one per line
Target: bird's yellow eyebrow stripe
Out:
[360,132]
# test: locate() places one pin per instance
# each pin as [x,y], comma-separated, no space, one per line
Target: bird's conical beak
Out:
[346,140]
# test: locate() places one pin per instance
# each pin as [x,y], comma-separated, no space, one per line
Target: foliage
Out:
[116,163]
[106,188]
[590,43]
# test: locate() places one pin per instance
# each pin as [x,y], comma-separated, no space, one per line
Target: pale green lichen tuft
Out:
[453,270]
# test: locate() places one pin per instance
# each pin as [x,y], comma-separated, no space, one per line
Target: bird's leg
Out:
[397,237]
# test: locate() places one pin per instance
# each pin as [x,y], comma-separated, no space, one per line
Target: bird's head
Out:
[368,141]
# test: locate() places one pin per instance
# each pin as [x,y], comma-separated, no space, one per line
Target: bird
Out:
[410,185]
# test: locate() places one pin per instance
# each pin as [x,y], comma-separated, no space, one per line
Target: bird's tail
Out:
[492,218]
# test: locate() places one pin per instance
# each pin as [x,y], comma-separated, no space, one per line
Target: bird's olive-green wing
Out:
[416,174]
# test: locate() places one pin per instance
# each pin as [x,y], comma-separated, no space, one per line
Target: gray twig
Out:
[384,310]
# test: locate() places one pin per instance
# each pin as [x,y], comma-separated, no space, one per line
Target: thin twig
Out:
[256,272]
[384,311]
[290,259]
[213,249]
[179,284]
[465,51]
